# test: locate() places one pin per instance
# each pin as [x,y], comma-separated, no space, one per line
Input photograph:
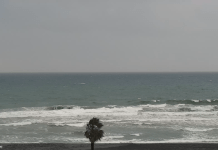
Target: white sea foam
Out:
[56,124]
[154,106]
[209,100]
[77,124]
[17,124]
[155,117]
[176,140]
[66,122]
[199,129]
[112,120]
[136,134]
[114,137]
[196,101]
[112,105]
[183,140]
[121,111]
[121,141]
[68,139]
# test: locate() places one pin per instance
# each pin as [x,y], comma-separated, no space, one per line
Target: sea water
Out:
[134,107]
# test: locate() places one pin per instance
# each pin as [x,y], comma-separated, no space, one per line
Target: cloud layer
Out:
[108,36]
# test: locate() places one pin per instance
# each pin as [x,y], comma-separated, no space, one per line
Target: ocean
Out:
[134,107]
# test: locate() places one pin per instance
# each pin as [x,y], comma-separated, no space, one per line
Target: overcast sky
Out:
[108,35]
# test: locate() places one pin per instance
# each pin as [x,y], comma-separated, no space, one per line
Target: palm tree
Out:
[93,132]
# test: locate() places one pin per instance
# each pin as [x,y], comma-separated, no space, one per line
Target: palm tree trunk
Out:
[92,146]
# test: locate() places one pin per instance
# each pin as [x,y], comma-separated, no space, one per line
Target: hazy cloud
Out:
[124,35]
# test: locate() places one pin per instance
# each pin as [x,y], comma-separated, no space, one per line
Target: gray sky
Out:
[108,35]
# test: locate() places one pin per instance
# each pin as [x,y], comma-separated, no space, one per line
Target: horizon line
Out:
[108,72]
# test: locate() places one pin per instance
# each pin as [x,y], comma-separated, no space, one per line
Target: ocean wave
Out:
[176,102]
[59,107]
[17,124]
[136,134]
[199,129]
[74,111]
[177,108]
[130,121]
[77,124]
[185,109]
[215,108]
[22,122]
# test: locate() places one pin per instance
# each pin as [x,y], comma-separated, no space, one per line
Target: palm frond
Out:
[93,132]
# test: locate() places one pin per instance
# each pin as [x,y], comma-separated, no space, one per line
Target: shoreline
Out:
[100,146]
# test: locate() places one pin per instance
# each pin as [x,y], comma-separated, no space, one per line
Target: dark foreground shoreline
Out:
[122,146]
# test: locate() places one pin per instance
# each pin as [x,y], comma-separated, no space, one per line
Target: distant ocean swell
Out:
[168,121]
[174,102]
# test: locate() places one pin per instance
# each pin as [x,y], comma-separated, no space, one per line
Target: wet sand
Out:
[165,146]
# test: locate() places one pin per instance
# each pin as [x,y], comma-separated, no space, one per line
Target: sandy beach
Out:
[164,146]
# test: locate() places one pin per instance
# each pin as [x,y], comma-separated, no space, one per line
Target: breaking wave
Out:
[130,122]
[175,102]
